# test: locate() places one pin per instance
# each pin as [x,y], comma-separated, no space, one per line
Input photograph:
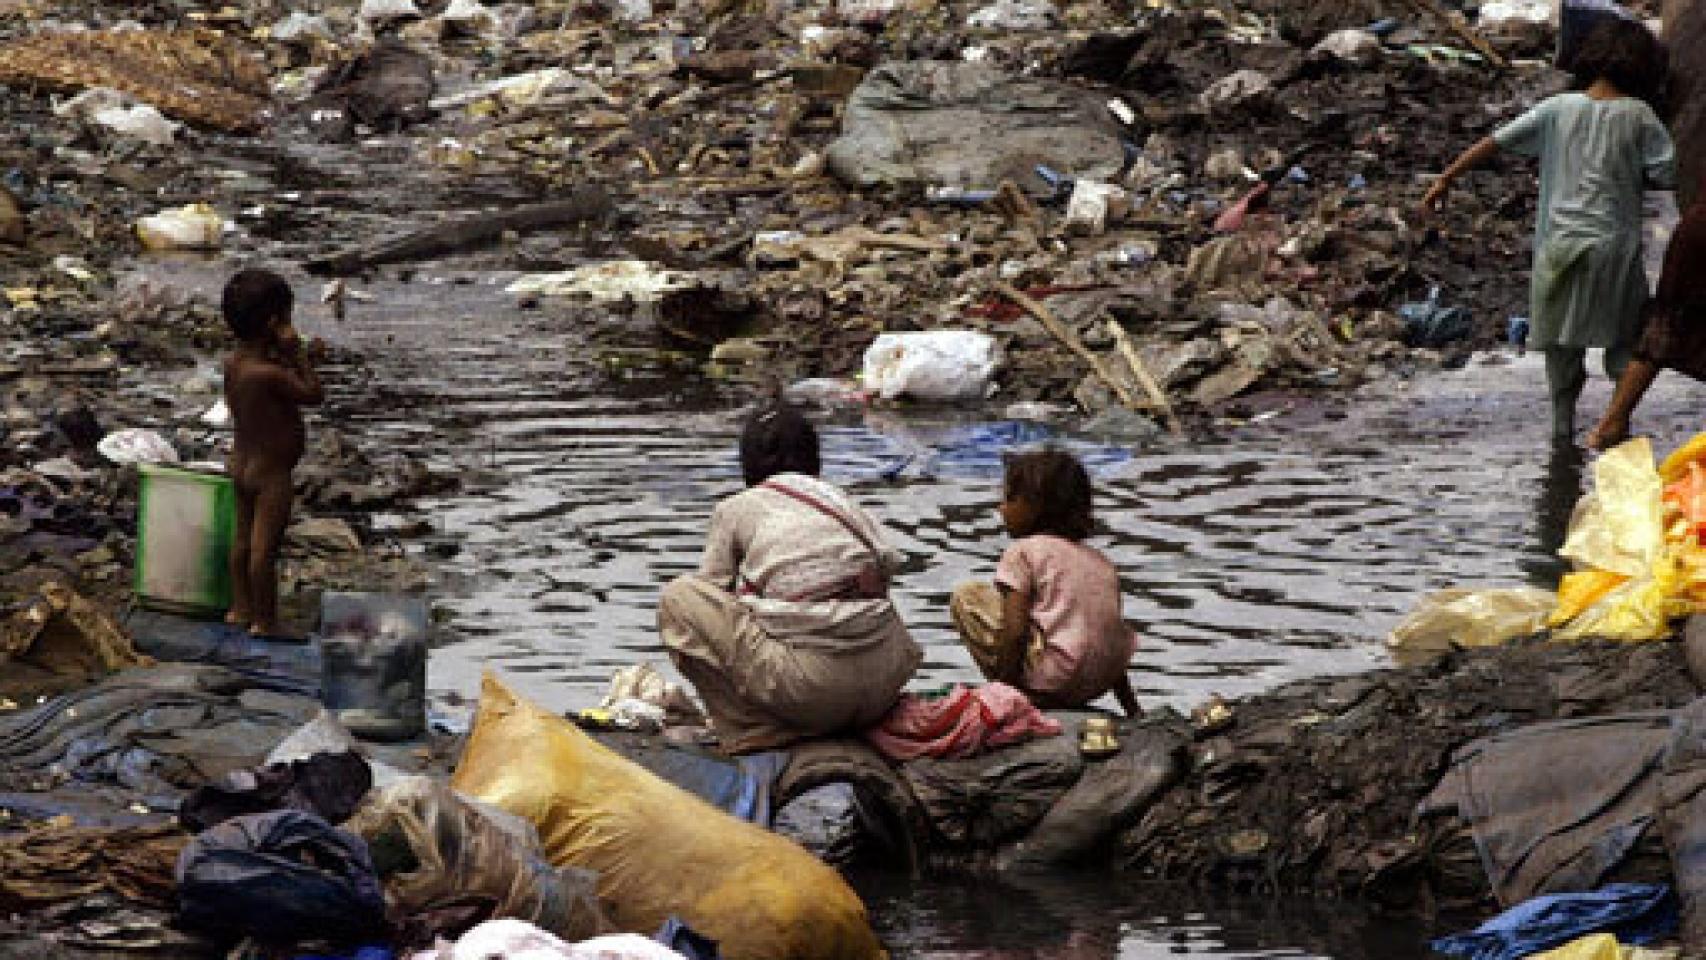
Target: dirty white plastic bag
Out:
[640,690]
[932,365]
[195,227]
[512,939]
[1092,204]
[1503,13]
[634,280]
[117,112]
[1015,15]
[376,10]
[1356,47]
[137,445]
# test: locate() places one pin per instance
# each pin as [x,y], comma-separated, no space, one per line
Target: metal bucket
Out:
[373,650]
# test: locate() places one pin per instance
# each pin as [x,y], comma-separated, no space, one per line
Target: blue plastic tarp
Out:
[1635,913]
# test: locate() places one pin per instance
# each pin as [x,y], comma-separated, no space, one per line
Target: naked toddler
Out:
[269,377]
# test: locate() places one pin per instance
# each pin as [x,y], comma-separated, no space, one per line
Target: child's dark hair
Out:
[1057,486]
[1626,53]
[778,439]
[252,299]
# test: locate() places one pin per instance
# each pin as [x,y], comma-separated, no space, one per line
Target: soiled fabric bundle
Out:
[1556,806]
[965,722]
[329,785]
[283,877]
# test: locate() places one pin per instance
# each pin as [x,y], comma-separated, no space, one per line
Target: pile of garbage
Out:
[1209,203]
[215,809]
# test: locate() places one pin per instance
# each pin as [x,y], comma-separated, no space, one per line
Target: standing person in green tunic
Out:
[1600,146]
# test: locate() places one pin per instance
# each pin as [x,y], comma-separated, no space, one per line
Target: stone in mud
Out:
[323,536]
[386,87]
[1241,90]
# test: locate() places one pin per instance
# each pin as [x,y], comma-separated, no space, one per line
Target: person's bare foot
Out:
[260,629]
[237,618]
[1607,435]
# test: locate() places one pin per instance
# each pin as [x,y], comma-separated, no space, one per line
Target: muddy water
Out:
[1286,547]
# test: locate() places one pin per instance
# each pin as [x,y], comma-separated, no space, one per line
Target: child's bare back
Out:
[269,378]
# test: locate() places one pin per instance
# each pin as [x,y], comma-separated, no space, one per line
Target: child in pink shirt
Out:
[1050,624]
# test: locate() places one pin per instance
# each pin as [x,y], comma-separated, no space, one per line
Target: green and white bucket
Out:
[184,527]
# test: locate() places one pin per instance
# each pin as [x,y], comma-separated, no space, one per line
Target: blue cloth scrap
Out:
[1636,913]
[365,953]
[741,787]
[687,941]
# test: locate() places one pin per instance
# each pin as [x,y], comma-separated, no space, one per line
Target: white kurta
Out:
[1597,159]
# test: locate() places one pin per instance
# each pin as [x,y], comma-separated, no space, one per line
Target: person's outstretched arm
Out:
[1484,150]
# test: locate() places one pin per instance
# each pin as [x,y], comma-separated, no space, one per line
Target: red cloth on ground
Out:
[966,722]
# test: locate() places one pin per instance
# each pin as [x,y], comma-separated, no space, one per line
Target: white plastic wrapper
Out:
[932,365]
[137,445]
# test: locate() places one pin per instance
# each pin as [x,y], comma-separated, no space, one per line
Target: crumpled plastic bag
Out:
[137,445]
[457,847]
[194,227]
[511,939]
[1580,590]
[658,850]
[1471,618]
[643,684]
[932,365]
[1619,526]
[1635,543]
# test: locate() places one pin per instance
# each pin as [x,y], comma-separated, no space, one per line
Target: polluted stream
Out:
[1284,547]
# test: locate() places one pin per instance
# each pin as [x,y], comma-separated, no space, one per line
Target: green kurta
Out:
[1597,158]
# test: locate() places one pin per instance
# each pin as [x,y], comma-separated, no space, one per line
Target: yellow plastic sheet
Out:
[1619,526]
[1676,465]
[1470,618]
[1640,609]
[1602,946]
[1581,590]
[658,850]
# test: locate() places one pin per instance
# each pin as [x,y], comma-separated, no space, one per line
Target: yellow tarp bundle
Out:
[1602,946]
[658,850]
[1636,544]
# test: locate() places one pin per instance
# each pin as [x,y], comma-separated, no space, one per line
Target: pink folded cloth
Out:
[964,723]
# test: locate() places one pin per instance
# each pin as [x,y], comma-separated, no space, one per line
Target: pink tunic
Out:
[1075,603]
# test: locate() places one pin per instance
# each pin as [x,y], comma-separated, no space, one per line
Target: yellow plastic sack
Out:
[658,850]
[1581,590]
[1601,946]
[1641,609]
[1471,618]
[1675,466]
[1619,527]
